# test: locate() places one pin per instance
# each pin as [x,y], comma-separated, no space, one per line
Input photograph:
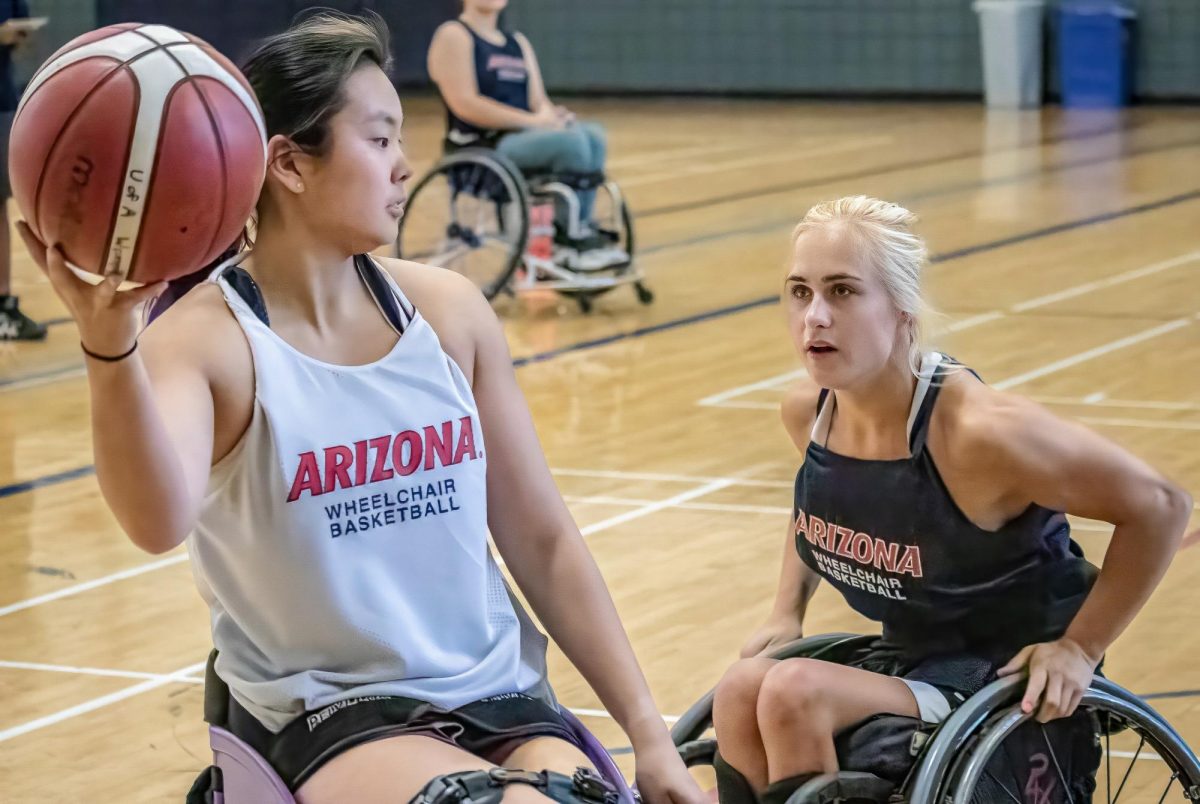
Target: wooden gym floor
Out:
[1067,263]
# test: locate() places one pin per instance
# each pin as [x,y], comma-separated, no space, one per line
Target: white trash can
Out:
[1011,35]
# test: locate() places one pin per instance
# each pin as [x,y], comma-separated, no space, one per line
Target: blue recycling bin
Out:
[1095,49]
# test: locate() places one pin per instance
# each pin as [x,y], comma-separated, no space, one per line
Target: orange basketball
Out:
[139,149]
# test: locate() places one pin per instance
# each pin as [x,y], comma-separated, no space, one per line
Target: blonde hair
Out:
[883,233]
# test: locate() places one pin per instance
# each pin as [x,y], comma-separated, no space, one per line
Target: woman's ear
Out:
[286,163]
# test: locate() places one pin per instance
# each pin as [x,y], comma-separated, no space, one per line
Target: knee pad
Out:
[487,787]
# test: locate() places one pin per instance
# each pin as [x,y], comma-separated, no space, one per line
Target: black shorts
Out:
[490,729]
[955,676]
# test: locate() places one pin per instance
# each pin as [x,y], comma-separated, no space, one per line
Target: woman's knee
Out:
[597,141]
[736,696]
[794,688]
[569,152]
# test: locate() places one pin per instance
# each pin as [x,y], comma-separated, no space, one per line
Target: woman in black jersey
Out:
[936,506]
[495,97]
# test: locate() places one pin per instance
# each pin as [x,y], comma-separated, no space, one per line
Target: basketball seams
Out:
[185,53]
[218,138]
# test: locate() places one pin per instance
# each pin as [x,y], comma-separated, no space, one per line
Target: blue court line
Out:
[48,480]
[721,312]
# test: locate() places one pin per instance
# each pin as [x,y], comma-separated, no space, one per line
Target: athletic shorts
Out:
[490,729]
[940,683]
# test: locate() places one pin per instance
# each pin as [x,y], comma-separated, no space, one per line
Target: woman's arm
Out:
[538,99]
[797,583]
[542,545]
[152,468]
[1063,466]
[451,64]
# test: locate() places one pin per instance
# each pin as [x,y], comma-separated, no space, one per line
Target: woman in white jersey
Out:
[334,436]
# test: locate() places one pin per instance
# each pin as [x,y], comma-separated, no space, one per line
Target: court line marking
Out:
[96,583]
[97,671]
[97,703]
[1093,353]
[682,500]
[770,158]
[708,486]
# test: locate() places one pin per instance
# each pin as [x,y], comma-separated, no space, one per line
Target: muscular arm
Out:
[1064,466]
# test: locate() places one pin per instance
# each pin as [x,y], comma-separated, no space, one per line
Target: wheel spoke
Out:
[1170,782]
[1136,754]
[1062,779]
[1108,727]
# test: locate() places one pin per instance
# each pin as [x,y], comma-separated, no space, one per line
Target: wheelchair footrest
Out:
[843,788]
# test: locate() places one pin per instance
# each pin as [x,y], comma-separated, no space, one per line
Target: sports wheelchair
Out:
[239,775]
[988,750]
[476,213]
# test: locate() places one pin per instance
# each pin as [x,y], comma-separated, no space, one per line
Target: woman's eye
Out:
[801,292]
[843,290]
[383,142]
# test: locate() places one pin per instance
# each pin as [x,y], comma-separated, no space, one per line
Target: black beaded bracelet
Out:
[106,358]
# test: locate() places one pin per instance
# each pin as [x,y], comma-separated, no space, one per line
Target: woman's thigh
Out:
[387,771]
[559,150]
[547,753]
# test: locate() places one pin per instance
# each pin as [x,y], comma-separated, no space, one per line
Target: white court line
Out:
[732,508]
[1116,403]
[97,671]
[637,513]
[615,474]
[1091,354]
[603,713]
[1088,287]
[183,675]
[93,584]
[132,572]
[98,703]
[1149,424]
[718,400]
[1131,755]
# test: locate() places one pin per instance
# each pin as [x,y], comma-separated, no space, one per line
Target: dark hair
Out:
[298,76]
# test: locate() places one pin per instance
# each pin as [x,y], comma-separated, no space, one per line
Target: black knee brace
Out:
[487,787]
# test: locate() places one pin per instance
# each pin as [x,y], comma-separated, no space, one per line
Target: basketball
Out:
[139,149]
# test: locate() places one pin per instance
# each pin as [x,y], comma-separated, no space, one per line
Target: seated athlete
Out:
[936,506]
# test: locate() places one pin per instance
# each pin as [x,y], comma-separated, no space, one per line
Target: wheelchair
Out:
[476,213]
[975,756]
[239,775]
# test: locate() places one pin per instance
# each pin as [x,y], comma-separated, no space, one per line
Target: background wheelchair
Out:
[981,753]
[476,213]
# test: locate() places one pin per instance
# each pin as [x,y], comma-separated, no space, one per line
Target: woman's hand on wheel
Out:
[1059,674]
[662,778]
[774,633]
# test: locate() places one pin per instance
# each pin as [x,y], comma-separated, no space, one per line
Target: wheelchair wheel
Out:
[1140,757]
[469,214]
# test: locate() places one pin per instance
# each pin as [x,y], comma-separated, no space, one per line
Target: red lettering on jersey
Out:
[413,440]
[381,470]
[337,465]
[843,546]
[440,446]
[910,562]
[308,477]
[466,441]
[885,555]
